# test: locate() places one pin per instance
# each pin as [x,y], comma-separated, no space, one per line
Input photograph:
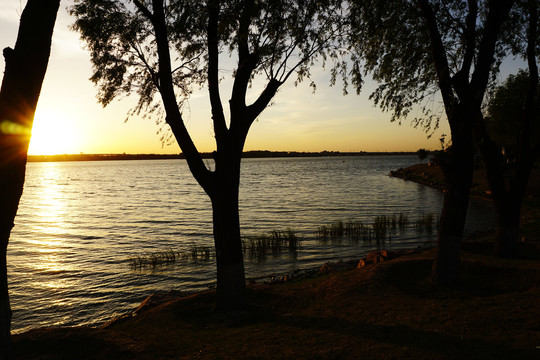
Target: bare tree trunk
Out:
[458,171]
[507,201]
[229,257]
[506,198]
[508,219]
[26,65]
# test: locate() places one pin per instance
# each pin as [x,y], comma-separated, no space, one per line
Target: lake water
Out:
[79,222]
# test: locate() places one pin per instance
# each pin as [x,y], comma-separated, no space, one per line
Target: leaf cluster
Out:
[283,37]
[505,112]
[286,36]
[123,51]
[391,38]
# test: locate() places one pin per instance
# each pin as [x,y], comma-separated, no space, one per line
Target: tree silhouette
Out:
[514,110]
[161,50]
[452,49]
[26,65]
[422,154]
[503,116]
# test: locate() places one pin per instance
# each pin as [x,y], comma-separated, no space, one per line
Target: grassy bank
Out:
[389,310]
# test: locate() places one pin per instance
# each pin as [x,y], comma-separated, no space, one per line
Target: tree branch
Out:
[166,89]
[439,57]
[144,10]
[263,100]
[498,12]
[461,78]
[186,63]
[218,117]
[147,66]
[247,62]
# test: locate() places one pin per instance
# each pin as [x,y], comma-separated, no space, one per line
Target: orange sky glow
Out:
[69,120]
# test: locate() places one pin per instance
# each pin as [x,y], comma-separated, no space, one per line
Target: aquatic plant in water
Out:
[154,260]
[383,227]
[254,247]
[258,247]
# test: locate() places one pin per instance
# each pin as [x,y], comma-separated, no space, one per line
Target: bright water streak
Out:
[78,222]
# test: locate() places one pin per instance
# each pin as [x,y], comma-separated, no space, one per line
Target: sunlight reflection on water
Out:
[78,223]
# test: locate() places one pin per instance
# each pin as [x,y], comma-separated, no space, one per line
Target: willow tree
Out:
[160,50]
[420,51]
[26,65]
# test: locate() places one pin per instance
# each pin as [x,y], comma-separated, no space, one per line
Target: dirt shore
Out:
[385,310]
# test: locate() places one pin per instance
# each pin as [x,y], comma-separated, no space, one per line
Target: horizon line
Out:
[205,155]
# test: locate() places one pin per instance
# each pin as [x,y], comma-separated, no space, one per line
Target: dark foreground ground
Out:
[387,310]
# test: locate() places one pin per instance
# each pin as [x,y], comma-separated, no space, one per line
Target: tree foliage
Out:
[504,113]
[391,38]
[391,41]
[122,45]
[283,38]
[422,154]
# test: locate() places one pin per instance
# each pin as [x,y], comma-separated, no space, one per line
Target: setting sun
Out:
[52,134]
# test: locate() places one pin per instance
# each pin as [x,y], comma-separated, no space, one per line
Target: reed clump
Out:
[357,230]
[380,226]
[426,223]
[258,247]
[154,260]
[383,227]
[255,247]
[402,221]
[331,231]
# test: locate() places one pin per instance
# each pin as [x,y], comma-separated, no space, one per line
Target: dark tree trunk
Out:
[507,202]
[508,220]
[26,65]
[462,97]
[508,196]
[458,167]
[229,257]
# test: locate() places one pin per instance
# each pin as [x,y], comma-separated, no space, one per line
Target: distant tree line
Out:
[205,155]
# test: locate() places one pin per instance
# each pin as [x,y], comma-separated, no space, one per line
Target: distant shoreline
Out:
[246,155]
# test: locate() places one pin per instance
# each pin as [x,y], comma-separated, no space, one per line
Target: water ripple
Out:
[78,223]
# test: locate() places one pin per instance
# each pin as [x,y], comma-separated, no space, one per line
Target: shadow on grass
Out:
[436,344]
[477,279]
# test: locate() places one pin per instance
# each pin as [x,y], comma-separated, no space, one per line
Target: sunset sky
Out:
[69,119]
